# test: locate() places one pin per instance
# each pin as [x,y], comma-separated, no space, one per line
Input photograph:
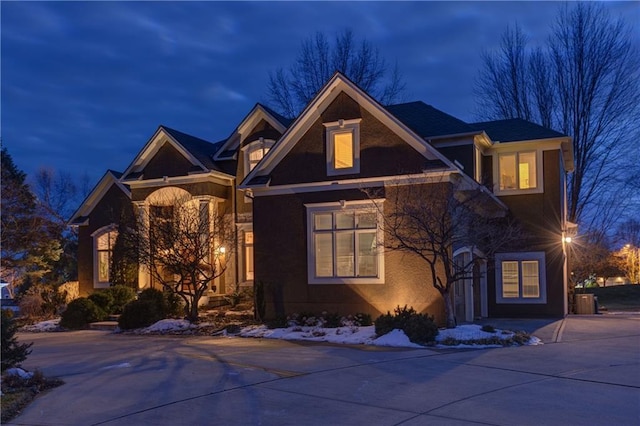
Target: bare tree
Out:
[431,220]
[584,83]
[184,246]
[290,90]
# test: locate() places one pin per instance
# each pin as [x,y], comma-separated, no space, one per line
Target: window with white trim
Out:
[248,255]
[520,277]
[104,242]
[518,171]
[255,152]
[343,147]
[344,243]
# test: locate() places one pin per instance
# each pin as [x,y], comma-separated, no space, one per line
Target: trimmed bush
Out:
[362,319]
[152,306]
[103,300]
[419,328]
[121,296]
[331,320]
[80,313]
[140,313]
[13,353]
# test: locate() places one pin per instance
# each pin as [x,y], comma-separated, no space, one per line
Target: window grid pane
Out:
[367,254]
[530,279]
[510,285]
[324,254]
[345,254]
[345,220]
[527,170]
[323,221]
[507,164]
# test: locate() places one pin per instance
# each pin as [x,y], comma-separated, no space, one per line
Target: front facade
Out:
[308,230]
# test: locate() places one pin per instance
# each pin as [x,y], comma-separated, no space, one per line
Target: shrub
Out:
[140,313]
[103,300]
[80,313]
[331,320]
[488,328]
[31,306]
[173,306]
[419,328]
[13,353]
[121,296]
[362,319]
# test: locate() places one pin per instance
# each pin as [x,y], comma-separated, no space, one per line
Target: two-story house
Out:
[307,232]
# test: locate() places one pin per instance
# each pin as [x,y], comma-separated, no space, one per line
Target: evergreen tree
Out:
[13,353]
[29,241]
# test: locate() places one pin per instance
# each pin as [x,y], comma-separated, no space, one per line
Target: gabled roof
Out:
[109,179]
[228,148]
[336,85]
[515,129]
[198,151]
[199,148]
[428,121]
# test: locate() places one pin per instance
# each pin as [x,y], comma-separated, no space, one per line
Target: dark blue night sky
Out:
[86,84]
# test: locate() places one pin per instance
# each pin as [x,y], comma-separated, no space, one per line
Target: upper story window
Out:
[255,152]
[343,147]
[344,243]
[104,242]
[519,172]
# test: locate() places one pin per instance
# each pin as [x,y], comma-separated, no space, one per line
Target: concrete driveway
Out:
[586,373]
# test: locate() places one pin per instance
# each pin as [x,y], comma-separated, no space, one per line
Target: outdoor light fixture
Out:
[222,250]
[566,239]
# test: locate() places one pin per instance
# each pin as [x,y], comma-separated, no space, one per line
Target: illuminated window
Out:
[255,156]
[248,255]
[104,242]
[517,171]
[520,277]
[344,244]
[343,147]
[255,152]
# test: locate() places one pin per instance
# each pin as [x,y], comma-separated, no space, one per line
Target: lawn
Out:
[616,298]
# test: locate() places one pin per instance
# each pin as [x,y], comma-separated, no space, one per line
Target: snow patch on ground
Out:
[26,375]
[467,336]
[166,325]
[43,326]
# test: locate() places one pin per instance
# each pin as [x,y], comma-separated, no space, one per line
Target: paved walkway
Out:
[586,373]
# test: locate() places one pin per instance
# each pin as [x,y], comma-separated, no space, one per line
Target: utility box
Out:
[585,304]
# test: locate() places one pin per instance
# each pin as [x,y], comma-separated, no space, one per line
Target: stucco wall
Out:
[281,265]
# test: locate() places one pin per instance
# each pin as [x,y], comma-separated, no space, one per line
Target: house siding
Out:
[114,205]
[463,154]
[168,161]
[281,266]
[541,215]
[382,152]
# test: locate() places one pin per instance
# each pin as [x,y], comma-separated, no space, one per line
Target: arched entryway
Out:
[470,292]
